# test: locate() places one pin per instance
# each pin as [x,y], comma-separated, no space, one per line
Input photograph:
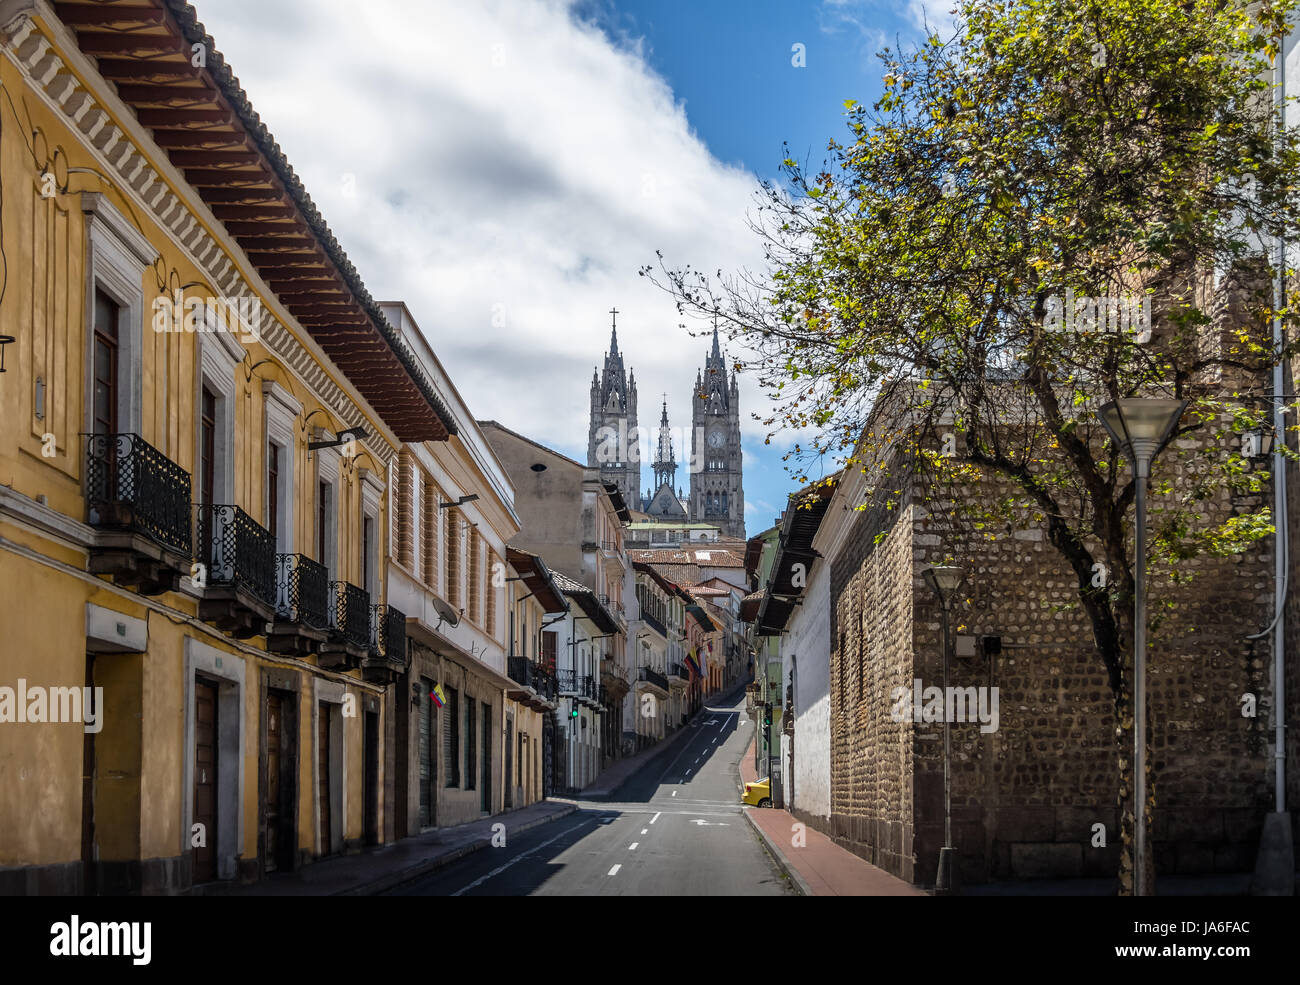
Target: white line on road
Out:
[644,830]
[518,858]
[632,847]
[655,818]
[674,793]
[614,871]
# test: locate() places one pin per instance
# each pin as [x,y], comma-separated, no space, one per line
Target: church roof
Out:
[707,555]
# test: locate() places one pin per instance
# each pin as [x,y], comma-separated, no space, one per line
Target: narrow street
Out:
[677,831]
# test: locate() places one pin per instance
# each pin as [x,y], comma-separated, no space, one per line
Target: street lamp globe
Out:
[944,580]
[1140,426]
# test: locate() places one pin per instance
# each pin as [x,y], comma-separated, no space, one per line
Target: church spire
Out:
[613,332]
[716,353]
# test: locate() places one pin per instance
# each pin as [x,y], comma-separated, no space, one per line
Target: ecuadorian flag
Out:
[692,665]
[439,698]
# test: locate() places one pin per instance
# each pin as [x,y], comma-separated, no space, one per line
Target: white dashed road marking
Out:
[655,818]
[632,847]
[614,871]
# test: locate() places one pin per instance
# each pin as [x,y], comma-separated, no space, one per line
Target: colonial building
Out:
[465,739]
[576,520]
[198,416]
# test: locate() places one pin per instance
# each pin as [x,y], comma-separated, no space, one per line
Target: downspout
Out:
[1282,521]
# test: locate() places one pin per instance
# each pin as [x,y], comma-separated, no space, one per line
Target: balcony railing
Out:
[237,552]
[130,485]
[302,590]
[388,633]
[653,622]
[678,671]
[529,674]
[588,685]
[567,681]
[350,613]
[653,677]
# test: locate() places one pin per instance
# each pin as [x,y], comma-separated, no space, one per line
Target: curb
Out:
[412,872]
[782,863]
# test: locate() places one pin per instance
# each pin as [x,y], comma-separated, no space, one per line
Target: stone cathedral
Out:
[717,493]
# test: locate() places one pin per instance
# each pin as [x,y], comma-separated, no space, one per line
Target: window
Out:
[324,510]
[273,492]
[105,401]
[471,733]
[474,578]
[405,509]
[490,617]
[429,529]
[368,562]
[451,737]
[548,648]
[452,542]
[207,447]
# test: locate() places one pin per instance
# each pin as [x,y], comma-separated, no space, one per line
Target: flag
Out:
[692,666]
[439,698]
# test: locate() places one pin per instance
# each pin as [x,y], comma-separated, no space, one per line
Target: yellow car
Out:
[758,793]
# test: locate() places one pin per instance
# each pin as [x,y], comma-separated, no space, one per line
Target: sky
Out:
[506,167]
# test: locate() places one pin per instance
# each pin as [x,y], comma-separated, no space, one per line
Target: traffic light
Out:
[767,714]
[573,711]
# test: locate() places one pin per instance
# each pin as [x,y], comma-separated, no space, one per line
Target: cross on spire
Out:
[613,331]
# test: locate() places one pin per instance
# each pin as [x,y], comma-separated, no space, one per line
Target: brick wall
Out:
[1026,797]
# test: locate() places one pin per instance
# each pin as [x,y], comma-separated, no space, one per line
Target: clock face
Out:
[716,439]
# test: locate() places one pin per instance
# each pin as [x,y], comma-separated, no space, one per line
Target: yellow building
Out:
[201,411]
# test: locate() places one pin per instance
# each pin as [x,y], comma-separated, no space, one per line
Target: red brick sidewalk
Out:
[818,866]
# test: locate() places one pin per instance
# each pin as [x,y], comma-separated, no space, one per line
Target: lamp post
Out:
[944,582]
[1140,427]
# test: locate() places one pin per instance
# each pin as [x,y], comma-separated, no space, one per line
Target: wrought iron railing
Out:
[653,677]
[237,551]
[653,623]
[677,670]
[529,674]
[131,485]
[588,685]
[567,681]
[302,590]
[388,633]
[350,612]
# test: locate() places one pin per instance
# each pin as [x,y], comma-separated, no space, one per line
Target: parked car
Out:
[758,793]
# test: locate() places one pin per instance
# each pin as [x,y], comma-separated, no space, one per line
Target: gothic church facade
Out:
[715,471]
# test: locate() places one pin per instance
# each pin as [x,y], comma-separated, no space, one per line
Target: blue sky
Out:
[506,167]
[733,69]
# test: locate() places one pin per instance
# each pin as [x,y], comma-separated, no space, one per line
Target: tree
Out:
[1066,203]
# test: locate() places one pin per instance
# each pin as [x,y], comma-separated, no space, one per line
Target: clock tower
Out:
[717,490]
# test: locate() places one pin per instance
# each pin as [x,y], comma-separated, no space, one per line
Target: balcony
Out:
[236,571]
[679,673]
[589,690]
[654,623]
[348,641]
[567,681]
[387,657]
[538,690]
[301,605]
[653,677]
[138,501]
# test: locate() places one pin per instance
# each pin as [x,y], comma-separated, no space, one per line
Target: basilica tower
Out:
[717,489]
[613,439]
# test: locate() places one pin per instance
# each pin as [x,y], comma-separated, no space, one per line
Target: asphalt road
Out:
[677,830]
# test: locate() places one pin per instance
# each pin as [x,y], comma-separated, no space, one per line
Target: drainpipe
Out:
[1275,862]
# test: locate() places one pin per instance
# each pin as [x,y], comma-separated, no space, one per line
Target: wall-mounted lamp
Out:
[460,502]
[350,434]
[4,341]
[1257,444]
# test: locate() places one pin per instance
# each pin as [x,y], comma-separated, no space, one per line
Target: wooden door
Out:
[509,764]
[279,781]
[105,397]
[89,883]
[428,755]
[205,781]
[370,777]
[487,758]
[323,787]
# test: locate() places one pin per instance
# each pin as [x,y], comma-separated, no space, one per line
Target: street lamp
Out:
[944,581]
[1140,427]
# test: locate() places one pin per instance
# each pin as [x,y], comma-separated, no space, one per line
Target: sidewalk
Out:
[818,867]
[381,868]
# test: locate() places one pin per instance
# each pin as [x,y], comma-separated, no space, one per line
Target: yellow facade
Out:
[70,216]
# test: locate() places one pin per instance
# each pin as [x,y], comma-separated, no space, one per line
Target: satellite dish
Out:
[445,612]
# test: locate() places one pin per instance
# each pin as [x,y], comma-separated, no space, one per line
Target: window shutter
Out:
[429,549]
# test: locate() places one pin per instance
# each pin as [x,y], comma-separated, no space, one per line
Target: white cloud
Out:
[502,154]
